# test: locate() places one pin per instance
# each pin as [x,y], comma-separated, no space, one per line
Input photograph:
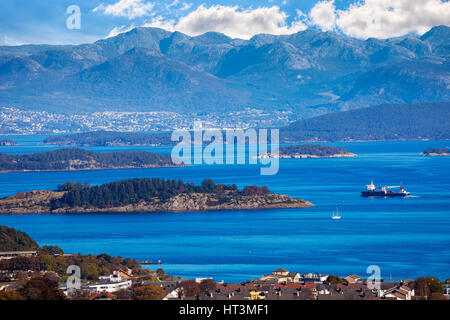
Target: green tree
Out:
[148,292]
[89,271]
[41,289]
[23,263]
[437,296]
[52,250]
[10,295]
[189,288]
[207,285]
[125,294]
[421,288]
[47,262]
[14,240]
[435,285]
[333,279]
[160,273]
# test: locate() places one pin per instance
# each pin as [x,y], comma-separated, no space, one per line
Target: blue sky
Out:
[37,21]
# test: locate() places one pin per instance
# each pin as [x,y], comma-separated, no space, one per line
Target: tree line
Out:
[312,149]
[110,138]
[133,191]
[384,122]
[78,159]
[436,151]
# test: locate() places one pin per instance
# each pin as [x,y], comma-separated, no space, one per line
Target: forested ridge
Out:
[436,151]
[384,122]
[79,159]
[14,240]
[312,149]
[110,138]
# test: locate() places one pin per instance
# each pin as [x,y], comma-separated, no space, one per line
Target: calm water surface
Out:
[405,237]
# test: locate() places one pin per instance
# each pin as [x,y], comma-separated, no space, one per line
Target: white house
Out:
[400,292]
[447,290]
[111,283]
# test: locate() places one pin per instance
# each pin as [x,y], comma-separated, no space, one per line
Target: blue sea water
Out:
[406,237]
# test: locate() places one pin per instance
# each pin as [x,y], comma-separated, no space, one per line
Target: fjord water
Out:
[406,237]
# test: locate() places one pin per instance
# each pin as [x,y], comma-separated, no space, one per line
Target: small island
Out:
[146,195]
[436,152]
[80,159]
[7,143]
[306,151]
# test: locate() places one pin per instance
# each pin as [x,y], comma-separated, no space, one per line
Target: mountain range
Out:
[150,69]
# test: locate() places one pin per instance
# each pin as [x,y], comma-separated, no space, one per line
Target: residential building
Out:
[353,278]
[13,254]
[398,292]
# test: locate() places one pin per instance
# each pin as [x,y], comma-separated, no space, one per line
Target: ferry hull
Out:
[367,194]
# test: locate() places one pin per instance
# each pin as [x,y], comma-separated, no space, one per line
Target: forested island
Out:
[379,123]
[309,151]
[111,138]
[436,152]
[80,159]
[146,195]
[7,143]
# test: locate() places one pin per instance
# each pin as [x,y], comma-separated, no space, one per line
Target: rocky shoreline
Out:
[435,154]
[38,202]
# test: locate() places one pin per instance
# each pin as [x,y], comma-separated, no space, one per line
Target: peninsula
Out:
[436,152]
[147,195]
[308,151]
[80,159]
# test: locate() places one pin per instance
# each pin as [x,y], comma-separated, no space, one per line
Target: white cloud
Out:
[364,19]
[323,14]
[382,18]
[232,21]
[127,8]
[186,6]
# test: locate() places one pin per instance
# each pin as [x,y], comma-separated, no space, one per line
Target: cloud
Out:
[382,18]
[127,8]
[232,21]
[186,6]
[323,14]
[367,18]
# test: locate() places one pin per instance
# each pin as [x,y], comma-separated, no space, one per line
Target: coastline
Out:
[96,169]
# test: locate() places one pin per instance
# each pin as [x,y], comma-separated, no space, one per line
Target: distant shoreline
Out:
[167,145]
[76,159]
[95,169]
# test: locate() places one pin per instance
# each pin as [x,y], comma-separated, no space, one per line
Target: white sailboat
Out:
[336,215]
